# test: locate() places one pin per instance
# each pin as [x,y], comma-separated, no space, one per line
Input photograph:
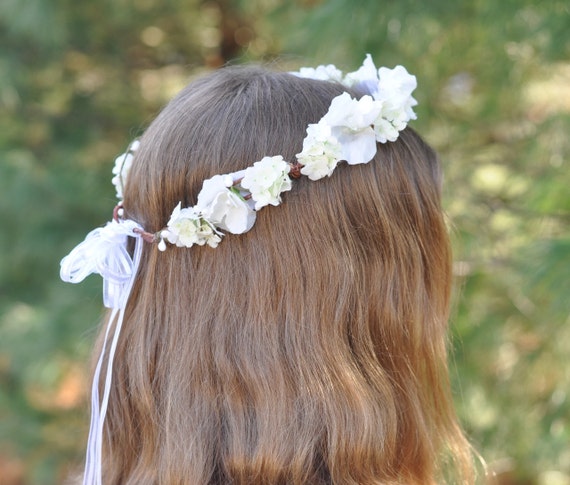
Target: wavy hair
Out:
[311,349]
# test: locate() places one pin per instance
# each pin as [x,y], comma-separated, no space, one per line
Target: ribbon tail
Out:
[93,464]
[89,477]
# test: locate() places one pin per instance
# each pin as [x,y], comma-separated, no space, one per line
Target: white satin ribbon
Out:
[104,251]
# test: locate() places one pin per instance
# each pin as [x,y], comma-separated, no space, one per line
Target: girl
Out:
[310,345]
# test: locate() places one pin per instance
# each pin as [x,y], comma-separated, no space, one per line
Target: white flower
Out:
[395,87]
[266,179]
[354,114]
[321,152]
[121,169]
[223,207]
[322,73]
[186,227]
[385,130]
[122,166]
[366,77]
[392,88]
[351,124]
[397,83]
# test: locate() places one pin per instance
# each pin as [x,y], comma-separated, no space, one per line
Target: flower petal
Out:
[231,213]
[357,147]
[321,73]
[365,78]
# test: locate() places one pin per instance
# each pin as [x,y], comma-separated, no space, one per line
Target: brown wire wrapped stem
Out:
[147,236]
[295,172]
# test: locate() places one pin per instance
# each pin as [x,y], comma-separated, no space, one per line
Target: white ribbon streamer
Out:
[104,251]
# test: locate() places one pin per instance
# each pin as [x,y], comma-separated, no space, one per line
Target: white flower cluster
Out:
[266,179]
[187,227]
[121,169]
[321,152]
[357,124]
[349,131]
[222,204]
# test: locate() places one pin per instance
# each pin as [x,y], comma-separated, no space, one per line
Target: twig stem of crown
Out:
[348,132]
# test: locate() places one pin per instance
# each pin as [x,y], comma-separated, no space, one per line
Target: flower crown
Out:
[348,131]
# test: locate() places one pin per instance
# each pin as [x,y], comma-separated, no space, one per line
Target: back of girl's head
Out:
[310,349]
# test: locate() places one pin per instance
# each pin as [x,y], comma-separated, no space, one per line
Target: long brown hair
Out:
[311,349]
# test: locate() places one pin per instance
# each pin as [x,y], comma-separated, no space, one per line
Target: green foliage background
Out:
[79,80]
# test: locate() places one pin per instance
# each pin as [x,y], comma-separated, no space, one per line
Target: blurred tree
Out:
[79,80]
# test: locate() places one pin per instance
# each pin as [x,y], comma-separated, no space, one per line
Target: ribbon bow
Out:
[104,251]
